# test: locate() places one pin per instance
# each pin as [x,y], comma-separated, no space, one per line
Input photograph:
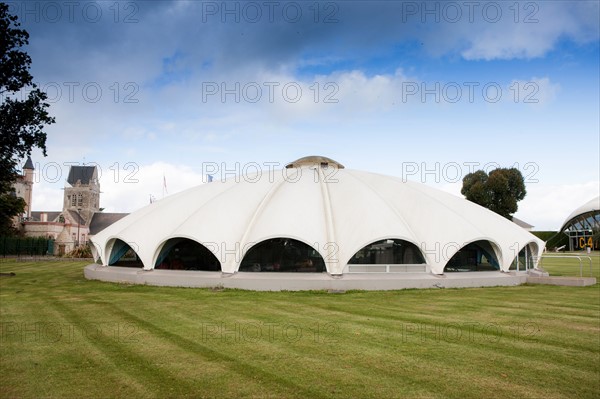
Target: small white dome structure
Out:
[590,208]
[580,225]
[356,222]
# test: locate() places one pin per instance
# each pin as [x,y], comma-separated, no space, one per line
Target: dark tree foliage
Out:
[500,191]
[23,113]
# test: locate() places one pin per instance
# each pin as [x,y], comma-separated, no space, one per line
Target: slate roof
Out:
[77,217]
[521,223]
[28,164]
[52,215]
[83,173]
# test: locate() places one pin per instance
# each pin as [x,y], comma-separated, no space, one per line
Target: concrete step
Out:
[565,281]
[539,272]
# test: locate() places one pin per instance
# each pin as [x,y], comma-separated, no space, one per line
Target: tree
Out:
[499,191]
[23,113]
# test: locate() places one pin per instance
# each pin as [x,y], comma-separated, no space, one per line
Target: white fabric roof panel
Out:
[590,206]
[337,212]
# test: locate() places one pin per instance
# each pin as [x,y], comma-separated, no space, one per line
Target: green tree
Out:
[500,191]
[23,113]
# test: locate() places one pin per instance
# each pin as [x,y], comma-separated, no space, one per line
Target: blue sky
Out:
[147,89]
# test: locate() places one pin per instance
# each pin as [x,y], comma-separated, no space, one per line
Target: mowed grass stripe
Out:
[365,351]
[483,349]
[126,358]
[159,357]
[247,320]
[234,363]
[284,348]
[294,358]
[46,352]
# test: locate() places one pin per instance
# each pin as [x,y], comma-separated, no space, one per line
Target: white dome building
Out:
[313,221]
[581,224]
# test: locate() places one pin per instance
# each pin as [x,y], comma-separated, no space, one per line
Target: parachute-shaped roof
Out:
[334,210]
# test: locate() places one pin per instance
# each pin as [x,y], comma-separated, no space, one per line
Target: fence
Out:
[26,246]
[569,265]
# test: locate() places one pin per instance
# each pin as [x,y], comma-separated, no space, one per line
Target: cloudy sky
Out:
[155,91]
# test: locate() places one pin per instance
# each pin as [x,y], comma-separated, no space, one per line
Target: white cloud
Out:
[132,186]
[546,206]
[125,187]
[373,123]
[46,197]
[337,95]
[530,30]
[535,91]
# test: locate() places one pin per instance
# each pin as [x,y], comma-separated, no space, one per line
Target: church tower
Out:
[82,195]
[23,188]
[28,172]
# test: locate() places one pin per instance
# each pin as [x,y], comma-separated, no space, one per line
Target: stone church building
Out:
[80,217]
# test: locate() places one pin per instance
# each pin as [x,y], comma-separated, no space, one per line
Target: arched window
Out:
[283,255]
[186,254]
[389,255]
[390,251]
[525,259]
[122,254]
[474,257]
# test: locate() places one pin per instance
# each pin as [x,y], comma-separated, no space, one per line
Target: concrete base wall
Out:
[301,281]
[565,281]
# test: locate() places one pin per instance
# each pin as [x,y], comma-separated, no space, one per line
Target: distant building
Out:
[80,217]
[522,224]
[23,187]
[581,226]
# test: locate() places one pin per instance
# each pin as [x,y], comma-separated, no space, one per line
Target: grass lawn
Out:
[65,337]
